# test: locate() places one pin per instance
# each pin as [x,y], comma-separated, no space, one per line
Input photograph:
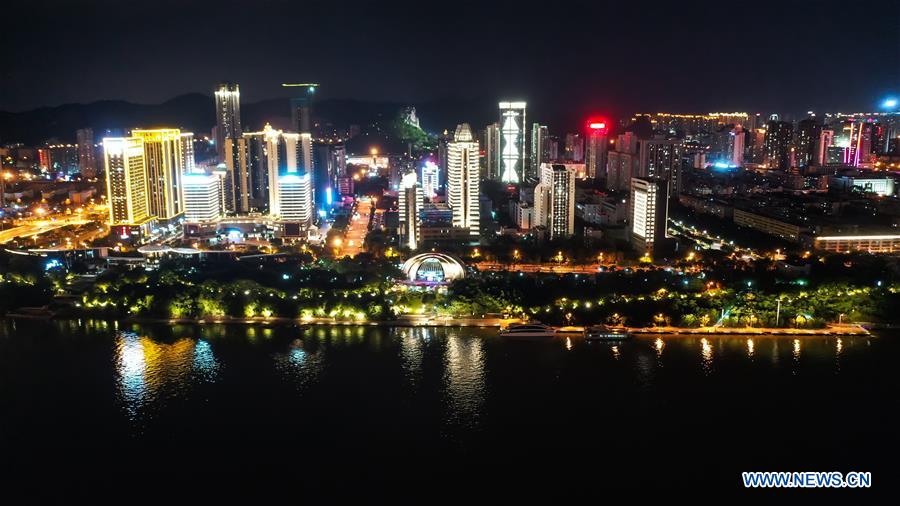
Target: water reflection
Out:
[464,378]
[706,355]
[412,346]
[299,363]
[750,347]
[146,368]
[204,361]
[659,345]
[615,352]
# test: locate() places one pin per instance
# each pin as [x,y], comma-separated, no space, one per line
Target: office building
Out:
[228,115]
[163,160]
[202,197]
[294,198]
[513,129]
[554,200]
[463,179]
[649,214]
[302,107]
[126,181]
[87,154]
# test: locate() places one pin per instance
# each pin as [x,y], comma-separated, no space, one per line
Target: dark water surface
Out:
[324,409]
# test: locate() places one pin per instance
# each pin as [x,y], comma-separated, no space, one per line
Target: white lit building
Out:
[649,213]
[463,179]
[295,198]
[410,203]
[513,128]
[430,179]
[202,197]
[554,200]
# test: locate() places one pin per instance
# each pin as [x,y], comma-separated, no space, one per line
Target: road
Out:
[39,227]
[355,237]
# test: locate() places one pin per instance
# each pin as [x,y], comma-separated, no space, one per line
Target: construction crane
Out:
[310,87]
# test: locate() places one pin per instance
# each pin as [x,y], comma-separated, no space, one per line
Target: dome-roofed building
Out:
[433,268]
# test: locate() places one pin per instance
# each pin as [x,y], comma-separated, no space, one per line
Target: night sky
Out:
[624,56]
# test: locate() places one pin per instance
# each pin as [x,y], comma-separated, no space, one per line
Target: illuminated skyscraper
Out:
[463,180]
[492,152]
[202,197]
[513,129]
[430,178]
[87,158]
[295,198]
[597,148]
[228,115]
[163,159]
[649,214]
[126,181]
[187,152]
[410,204]
[539,149]
[554,200]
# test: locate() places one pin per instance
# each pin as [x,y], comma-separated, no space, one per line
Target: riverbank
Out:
[423,321]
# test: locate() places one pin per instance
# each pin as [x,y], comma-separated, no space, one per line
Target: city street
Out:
[354,240]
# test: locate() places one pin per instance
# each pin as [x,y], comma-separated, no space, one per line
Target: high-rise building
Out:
[294,202]
[597,148]
[649,214]
[301,107]
[539,149]
[492,152]
[431,178]
[574,147]
[228,115]
[661,158]
[779,137]
[513,130]
[826,140]
[734,148]
[623,162]
[807,142]
[202,197]
[289,156]
[188,162]
[237,175]
[410,204]
[87,155]
[126,181]
[463,179]
[163,159]
[554,200]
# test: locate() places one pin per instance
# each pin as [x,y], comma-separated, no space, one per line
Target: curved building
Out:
[433,268]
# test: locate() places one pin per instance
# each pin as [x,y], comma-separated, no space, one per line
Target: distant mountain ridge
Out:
[195,112]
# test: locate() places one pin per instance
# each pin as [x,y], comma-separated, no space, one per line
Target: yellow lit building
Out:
[164,164]
[126,181]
